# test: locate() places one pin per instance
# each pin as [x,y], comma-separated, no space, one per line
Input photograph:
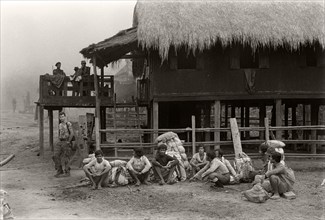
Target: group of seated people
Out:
[205,166]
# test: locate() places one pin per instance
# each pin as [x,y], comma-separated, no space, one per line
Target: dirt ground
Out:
[35,194]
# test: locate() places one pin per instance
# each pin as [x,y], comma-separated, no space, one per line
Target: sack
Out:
[256,194]
[244,167]
[118,176]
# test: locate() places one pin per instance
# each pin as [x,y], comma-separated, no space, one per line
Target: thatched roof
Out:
[113,48]
[201,24]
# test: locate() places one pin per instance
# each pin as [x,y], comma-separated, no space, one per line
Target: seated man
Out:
[138,167]
[234,177]
[164,166]
[215,171]
[97,170]
[281,177]
[199,160]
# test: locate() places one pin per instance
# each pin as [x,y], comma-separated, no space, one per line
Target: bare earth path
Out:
[35,194]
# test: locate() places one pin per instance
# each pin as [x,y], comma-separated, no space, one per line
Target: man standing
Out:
[62,151]
[84,72]
[58,71]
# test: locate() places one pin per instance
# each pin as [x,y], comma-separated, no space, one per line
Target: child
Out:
[281,177]
[138,167]
[164,165]
[199,160]
[97,170]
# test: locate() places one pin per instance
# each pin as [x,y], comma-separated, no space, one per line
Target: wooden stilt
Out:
[242,120]
[103,123]
[193,135]
[155,119]
[207,113]
[97,115]
[41,130]
[278,118]
[262,115]
[286,120]
[294,123]
[233,111]
[50,113]
[226,121]
[217,122]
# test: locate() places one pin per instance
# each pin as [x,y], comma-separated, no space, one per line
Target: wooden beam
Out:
[278,118]
[217,122]
[41,130]
[235,137]
[50,113]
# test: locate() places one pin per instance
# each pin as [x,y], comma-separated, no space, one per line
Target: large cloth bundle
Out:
[256,194]
[244,167]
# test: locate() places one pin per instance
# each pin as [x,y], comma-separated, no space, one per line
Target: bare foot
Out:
[146,183]
[161,182]
[99,187]
[93,187]
[275,196]
[137,183]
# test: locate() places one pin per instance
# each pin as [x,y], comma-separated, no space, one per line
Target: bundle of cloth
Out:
[175,149]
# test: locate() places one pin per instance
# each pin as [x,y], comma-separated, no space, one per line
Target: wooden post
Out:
[267,129]
[155,109]
[278,119]
[294,123]
[41,130]
[286,119]
[262,115]
[242,119]
[193,135]
[233,111]
[247,115]
[50,113]
[97,115]
[217,122]
[102,81]
[314,121]
[235,137]
[103,123]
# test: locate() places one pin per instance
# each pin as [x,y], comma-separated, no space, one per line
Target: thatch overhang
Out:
[113,48]
[198,24]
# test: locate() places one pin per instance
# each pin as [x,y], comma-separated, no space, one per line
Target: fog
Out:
[37,34]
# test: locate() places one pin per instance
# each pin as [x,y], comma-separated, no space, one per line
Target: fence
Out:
[192,133]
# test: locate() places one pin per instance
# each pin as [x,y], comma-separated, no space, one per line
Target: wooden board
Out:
[235,137]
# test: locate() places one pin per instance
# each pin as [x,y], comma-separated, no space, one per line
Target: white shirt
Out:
[98,168]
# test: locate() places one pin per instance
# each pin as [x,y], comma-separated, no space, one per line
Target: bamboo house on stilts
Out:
[227,59]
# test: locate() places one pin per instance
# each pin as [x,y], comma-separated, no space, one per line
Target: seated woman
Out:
[281,177]
[215,171]
[164,166]
[199,160]
[97,170]
[138,167]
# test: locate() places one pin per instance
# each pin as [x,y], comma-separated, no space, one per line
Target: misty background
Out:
[37,34]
